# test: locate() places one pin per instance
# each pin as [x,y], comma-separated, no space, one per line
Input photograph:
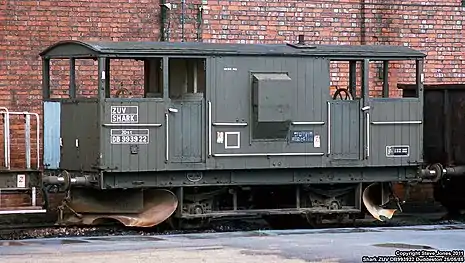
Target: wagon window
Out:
[153,78]
[345,86]
[386,74]
[186,76]
[134,78]
[347,79]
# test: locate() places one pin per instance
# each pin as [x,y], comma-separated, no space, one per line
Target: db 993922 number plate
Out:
[129,136]
[397,151]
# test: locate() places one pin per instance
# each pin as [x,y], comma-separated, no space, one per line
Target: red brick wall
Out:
[27,27]
[434,27]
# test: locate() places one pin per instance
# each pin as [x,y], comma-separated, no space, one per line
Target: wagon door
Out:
[186,110]
[185,130]
[395,125]
[348,116]
[344,129]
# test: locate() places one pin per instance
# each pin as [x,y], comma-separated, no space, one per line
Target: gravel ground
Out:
[52,232]
[422,215]
[215,227]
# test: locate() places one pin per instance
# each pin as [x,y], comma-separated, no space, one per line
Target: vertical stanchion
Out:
[27,132]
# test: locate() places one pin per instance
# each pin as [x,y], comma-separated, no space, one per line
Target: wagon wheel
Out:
[122,91]
[338,93]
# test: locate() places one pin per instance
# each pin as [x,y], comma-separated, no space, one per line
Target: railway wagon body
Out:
[444,144]
[228,130]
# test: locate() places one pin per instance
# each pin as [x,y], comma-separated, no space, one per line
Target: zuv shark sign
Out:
[124,114]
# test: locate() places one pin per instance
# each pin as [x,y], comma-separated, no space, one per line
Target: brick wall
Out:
[27,27]
[431,26]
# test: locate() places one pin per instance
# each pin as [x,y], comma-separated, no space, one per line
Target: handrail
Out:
[6,135]
[7,114]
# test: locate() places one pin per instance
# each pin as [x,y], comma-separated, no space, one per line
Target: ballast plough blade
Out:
[370,195]
[158,205]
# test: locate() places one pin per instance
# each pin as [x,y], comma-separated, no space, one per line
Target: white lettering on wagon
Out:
[129,136]
[124,114]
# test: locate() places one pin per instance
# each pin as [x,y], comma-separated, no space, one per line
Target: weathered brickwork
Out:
[435,27]
[27,27]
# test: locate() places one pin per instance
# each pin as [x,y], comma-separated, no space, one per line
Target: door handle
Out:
[366,111]
[172,110]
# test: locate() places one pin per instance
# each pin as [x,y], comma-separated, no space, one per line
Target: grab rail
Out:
[7,139]
[6,135]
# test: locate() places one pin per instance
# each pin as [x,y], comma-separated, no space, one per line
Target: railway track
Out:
[50,230]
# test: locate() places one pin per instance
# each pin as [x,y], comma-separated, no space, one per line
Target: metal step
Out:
[22,210]
[32,209]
